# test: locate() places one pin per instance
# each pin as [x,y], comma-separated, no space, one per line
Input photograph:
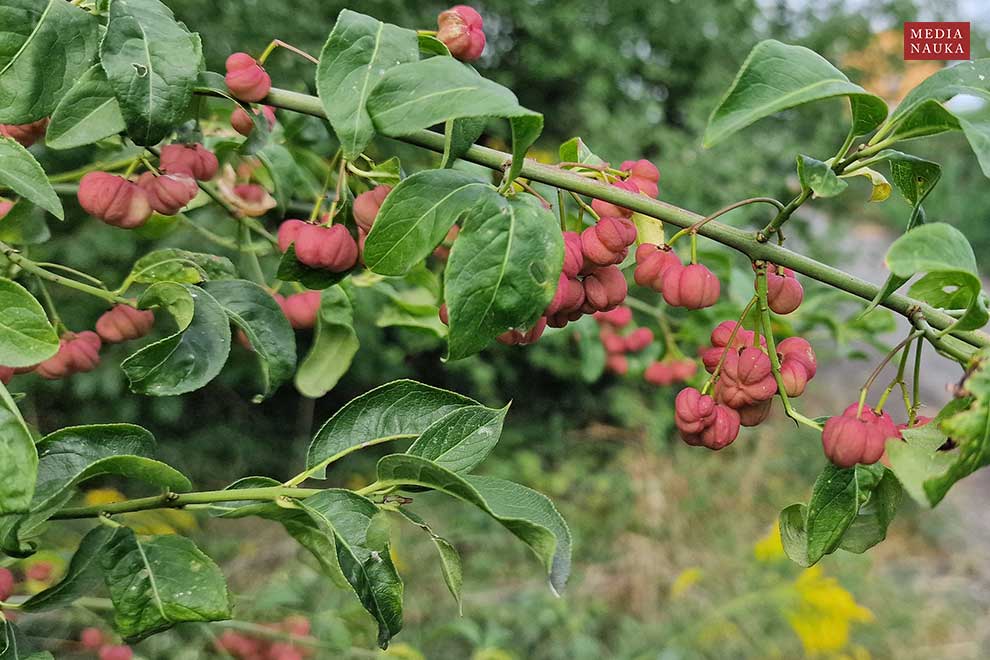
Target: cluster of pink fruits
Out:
[120,202]
[79,352]
[618,345]
[743,383]
[245,647]
[94,639]
[860,434]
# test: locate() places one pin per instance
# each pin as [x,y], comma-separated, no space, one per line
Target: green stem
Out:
[103,166]
[78,273]
[732,237]
[222,241]
[254,265]
[916,385]
[722,211]
[49,304]
[180,500]
[29,266]
[322,466]
[761,294]
[782,216]
[710,383]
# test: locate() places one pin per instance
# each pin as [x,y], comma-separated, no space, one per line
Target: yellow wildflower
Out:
[824,612]
[684,581]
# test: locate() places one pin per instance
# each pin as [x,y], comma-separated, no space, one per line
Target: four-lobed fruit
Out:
[242,123]
[618,318]
[114,200]
[92,638]
[604,289]
[607,241]
[246,79]
[366,206]
[116,652]
[461,29]
[652,261]
[608,209]
[852,438]
[784,293]
[670,371]
[693,286]
[300,308]
[194,160]
[168,193]
[644,175]
[703,422]
[746,377]
[26,134]
[123,323]
[328,248]
[77,353]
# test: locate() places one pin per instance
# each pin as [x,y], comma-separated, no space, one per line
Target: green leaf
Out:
[529,515]
[416,217]
[14,646]
[914,178]
[850,508]
[502,271]
[87,113]
[334,345]
[75,454]
[366,565]
[160,581]
[252,309]
[462,439]
[402,409]
[20,172]
[928,473]
[189,358]
[793,535]
[357,55]
[818,177]
[450,560]
[921,113]
[393,316]
[881,187]
[291,270]
[18,459]
[26,336]
[777,76]
[833,506]
[431,46]
[869,527]
[459,135]
[282,169]
[152,62]
[576,151]
[952,279]
[175,265]
[309,531]
[24,224]
[44,48]
[417,95]
[932,247]
[84,575]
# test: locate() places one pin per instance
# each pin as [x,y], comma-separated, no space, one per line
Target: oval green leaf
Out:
[26,336]
[152,62]
[502,271]
[87,113]
[777,76]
